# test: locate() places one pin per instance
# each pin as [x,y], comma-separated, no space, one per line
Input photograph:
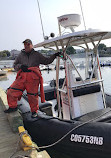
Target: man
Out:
[28,77]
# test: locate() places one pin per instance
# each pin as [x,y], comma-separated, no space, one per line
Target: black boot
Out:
[9,110]
[34,114]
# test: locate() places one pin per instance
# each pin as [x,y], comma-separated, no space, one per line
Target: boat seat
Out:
[46,108]
[86,90]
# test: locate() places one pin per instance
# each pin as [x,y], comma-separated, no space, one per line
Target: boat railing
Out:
[84,84]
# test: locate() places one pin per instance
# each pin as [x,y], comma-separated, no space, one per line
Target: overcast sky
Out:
[19,19]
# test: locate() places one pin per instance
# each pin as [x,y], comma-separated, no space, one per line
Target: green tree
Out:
[7,52]
[70,50]
[4,55]
[102,46]
[0,54]
[43,51]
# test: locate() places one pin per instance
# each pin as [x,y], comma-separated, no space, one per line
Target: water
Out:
[106,73]
[6,63]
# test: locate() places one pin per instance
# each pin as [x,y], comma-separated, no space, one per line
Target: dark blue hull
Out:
[88,135]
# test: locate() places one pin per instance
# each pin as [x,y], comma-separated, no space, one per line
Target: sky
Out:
[20,19]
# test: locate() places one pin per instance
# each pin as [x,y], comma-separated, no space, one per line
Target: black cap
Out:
[27,41]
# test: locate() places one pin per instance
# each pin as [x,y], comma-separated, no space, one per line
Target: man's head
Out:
[28,46]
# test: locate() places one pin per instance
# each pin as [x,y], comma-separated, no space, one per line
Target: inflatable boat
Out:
[82,125]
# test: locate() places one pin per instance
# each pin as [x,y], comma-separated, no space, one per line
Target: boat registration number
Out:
[86,139]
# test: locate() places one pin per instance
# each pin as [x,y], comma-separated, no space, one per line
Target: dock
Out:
[9,135]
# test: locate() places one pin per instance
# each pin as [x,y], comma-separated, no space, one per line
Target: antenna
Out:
[41,19]
[82,14]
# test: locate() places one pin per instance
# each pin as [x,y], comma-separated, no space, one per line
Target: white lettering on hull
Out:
[86,139]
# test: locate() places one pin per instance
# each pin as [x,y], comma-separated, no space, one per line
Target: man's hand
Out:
[58,54]
[24,68]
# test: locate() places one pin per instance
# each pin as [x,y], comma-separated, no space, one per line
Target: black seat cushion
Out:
[86,90]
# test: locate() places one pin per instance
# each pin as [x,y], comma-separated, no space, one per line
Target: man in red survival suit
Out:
[28,77]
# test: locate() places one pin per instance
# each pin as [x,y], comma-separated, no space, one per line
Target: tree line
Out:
[102,48]
[70,50]
[4,53]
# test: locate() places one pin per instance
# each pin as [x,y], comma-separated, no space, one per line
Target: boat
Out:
[8,69]
[2,73]
[42,67]
[82,126]
[61,67]
[105,63]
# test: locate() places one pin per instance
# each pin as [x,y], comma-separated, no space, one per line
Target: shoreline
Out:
[81,55]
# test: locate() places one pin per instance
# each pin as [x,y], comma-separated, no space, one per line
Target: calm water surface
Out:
[106,73]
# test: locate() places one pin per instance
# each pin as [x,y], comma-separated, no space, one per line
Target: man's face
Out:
[28,47]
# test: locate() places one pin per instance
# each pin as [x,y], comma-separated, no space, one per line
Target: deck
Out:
[8,139]
[9,135]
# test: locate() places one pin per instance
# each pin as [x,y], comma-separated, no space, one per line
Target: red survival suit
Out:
[29,81]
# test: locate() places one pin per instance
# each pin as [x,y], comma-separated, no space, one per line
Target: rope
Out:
[20,138]
[22,156]
[82,124]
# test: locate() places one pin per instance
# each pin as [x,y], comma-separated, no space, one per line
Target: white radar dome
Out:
[69,20]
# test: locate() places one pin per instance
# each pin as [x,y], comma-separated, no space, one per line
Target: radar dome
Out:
[69,20]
